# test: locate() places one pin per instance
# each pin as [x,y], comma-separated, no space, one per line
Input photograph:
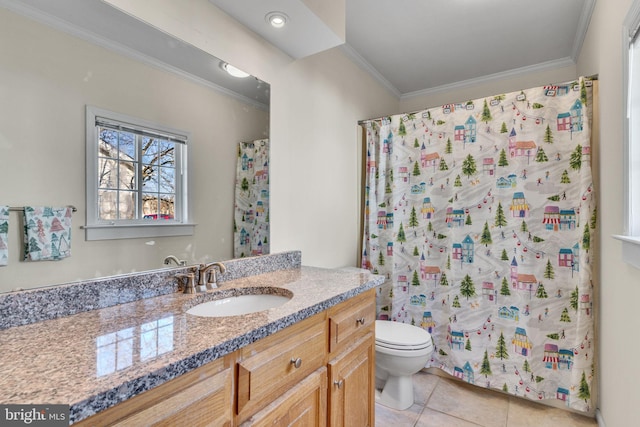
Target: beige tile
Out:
[386,417]
[523,413]
[423,386]
[431,418]
[470,403]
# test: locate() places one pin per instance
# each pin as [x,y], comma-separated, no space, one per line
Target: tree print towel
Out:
[4,228]
[47,233]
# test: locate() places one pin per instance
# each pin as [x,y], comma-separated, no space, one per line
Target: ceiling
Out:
[412,47]
[418,46]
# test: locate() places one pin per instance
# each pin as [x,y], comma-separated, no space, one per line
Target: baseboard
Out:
[599,418]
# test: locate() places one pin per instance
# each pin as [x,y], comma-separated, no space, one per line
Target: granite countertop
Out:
[96,359]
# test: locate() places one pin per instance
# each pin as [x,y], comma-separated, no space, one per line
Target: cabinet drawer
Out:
[351,320]
[273,365]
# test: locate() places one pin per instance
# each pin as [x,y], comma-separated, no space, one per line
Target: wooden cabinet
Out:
[304,405]
[273,365]
[351,386]
[202,397]
[318,372]
[352,362]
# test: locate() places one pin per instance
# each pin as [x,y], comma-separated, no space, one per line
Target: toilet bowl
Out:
[401,351]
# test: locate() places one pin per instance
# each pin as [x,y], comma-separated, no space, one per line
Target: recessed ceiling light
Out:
[276,19]
[235,72]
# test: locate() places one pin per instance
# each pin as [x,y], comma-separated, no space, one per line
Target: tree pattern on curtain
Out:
[480,215]
[251,219]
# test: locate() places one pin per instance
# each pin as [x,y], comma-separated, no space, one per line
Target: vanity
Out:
[309,361]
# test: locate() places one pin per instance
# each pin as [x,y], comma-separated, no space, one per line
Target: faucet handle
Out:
[212,282]
[187,282]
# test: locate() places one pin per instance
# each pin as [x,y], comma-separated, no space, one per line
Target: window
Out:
[631,81]
[136,178]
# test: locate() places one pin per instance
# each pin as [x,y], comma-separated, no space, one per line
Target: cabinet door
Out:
[305,405]
[351,386]
[202,397]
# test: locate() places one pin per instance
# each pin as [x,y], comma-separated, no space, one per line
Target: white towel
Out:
[47,233]
[4,231]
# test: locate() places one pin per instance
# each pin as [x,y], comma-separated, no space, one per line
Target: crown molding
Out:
[366,66]
[509,74]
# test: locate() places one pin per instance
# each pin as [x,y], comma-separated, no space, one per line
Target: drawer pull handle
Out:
[339,384]
[360,321]
[296,362]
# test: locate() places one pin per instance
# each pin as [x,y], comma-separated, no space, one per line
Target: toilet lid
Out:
[401,335]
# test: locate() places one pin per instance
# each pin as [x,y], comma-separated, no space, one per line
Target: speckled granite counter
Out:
[96,359]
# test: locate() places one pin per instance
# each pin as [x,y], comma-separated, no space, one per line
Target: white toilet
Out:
[401,351]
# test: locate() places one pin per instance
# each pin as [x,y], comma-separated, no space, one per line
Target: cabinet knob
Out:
[360,321]
[296,362]
[339,384]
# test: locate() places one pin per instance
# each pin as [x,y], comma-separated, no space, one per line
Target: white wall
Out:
[46,79]
[619,282]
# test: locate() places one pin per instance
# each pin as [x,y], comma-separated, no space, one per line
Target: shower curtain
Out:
[251,218]
[480,215]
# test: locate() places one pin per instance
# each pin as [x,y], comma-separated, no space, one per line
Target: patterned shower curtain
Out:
[251,219]
[480,215]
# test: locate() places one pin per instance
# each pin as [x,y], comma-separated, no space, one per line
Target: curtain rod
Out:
[362,122]
[21,208]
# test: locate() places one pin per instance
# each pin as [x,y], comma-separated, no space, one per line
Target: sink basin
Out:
[239,304]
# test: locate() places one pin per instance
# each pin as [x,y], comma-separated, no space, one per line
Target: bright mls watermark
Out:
[34,415]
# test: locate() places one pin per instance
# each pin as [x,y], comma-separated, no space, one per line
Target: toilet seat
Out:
[401,337]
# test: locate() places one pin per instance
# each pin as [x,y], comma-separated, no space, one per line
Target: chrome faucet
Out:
[207,274]
[171,258]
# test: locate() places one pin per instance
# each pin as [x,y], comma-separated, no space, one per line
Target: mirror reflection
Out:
[89,53]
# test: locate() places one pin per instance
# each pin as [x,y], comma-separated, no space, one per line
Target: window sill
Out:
[630,249]
[111,232]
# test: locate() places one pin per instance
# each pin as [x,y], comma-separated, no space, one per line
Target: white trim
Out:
[107,232]
[536,68]
[630,242]
[599,418]
[583,26]
[630,249]
[366,66]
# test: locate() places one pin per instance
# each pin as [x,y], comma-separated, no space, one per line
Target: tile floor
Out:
[444,402]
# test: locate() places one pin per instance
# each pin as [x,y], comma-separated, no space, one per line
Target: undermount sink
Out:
[241,304]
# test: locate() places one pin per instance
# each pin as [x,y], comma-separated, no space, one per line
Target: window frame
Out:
[631,143]
[96,229]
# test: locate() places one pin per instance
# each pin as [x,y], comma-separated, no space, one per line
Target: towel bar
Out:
[21,208]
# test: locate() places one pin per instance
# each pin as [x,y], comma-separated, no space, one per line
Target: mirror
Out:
[61,56]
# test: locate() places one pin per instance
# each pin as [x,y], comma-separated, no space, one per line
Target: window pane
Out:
[108,143]
[107,205]
[127,175]
[150,179]
[127,145]
[149,151]
[107,176]
[127,205]
[167,180]
[167,205]
[167,153]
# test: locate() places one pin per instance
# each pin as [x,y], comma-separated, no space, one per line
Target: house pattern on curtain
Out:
[480,215]
[251,218]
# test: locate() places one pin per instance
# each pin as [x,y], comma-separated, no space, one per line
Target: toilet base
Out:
[397,393]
